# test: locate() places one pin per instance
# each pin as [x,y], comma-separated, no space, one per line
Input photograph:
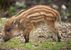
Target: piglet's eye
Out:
[9,29]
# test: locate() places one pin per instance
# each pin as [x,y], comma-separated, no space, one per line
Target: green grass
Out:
[16,43]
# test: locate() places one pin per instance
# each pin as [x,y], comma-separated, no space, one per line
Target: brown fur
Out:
[25,21]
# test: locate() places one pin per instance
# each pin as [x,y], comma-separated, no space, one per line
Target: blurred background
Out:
[9,8]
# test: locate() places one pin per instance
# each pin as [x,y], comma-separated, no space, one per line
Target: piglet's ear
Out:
[14,22]
[16,25]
